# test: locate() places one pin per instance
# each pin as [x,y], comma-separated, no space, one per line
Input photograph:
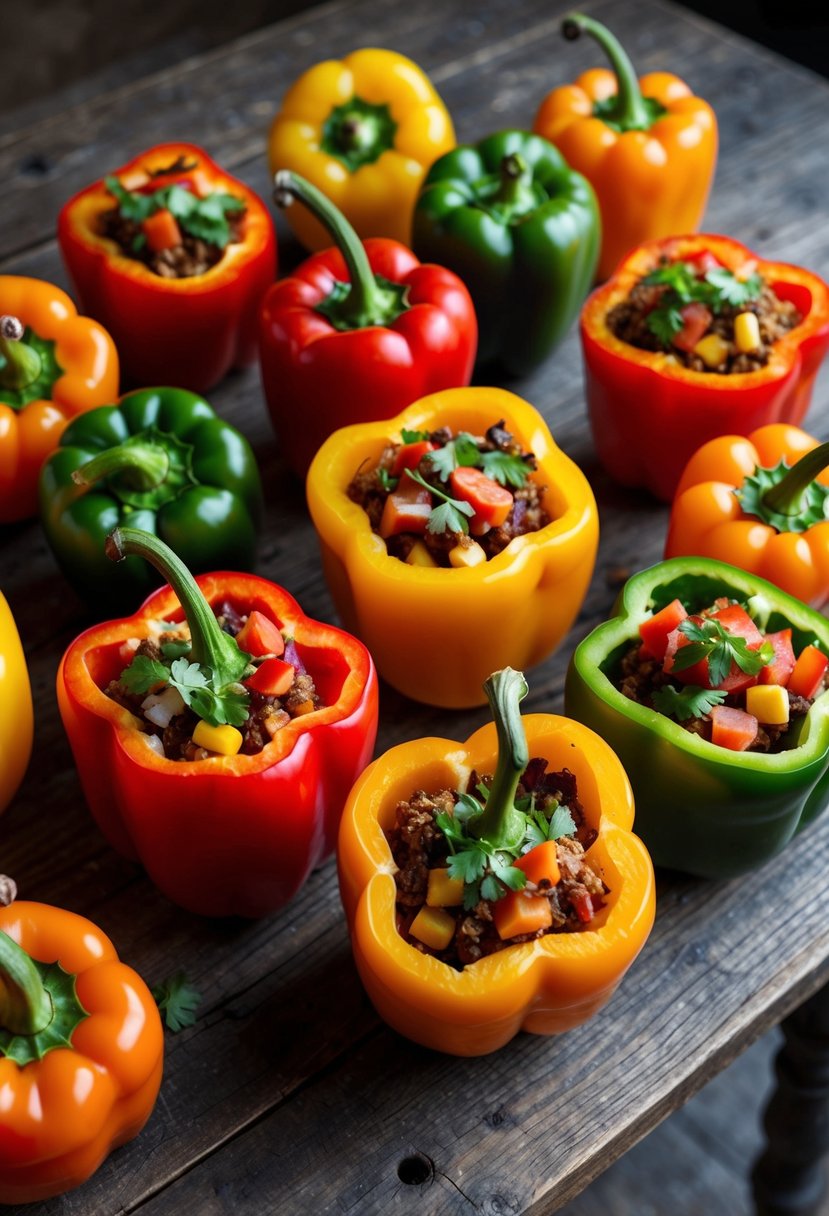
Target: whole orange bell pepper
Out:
[81,1050]
[16,719]
[760,504]
[543,986]
[53,365]
[647,147]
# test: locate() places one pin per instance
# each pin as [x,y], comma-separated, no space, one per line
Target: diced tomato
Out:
[735,620]
[702,262]
[696,319]
[407,509]
[654,631]
[273,678]
[541,864]
[162,231]
[733,728]
[808,673]
[259,635]
[491,502]
[410,455]
[519,912]
[582,901]
[779,670]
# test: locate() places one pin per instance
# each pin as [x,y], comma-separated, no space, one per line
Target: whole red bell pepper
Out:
[358,332]
[189,331]
[228,834]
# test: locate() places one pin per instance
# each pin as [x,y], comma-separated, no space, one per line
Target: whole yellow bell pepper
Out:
[364,130]
[16,715]
[435,633]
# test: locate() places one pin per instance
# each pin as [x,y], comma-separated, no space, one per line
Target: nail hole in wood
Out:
[415,1170]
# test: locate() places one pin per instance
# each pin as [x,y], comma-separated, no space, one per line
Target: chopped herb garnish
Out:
[710,640]
[505,468]
[193,681]
[682,285]
[451,515]
[414,436]
[387,482]
[203,218]
[689,702]
[460,451]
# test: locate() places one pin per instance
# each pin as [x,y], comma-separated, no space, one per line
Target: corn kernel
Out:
[226,740]
[769,703]
[419,555]
[466,555]
[304,707]
[712,349]
[433,927]
[747,332]
[443,891]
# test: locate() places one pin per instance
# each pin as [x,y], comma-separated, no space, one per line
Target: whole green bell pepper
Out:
[522,229]
[161,460]
[699,807]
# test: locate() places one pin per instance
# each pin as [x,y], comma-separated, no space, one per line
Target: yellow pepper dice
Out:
[433,927]
[769,703]
[419,555]
[712,349]
[747,333]
[465,556]
[443,891]
[226,740]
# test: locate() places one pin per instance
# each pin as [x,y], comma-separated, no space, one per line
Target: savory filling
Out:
[171,696]
[708,318]
[440,499]
[720,677]
[460,900]
[172,220]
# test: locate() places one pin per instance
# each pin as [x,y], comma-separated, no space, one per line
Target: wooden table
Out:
[289,1095]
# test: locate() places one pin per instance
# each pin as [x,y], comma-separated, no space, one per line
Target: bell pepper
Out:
[164,461]
[702,808]
[649,414]
[521,229]
[648,147]
[357,332]
[81,1050]
[544,986]
[436,633]
[184,331]
[364,130]
[231,834]
[760,503]
[16,715]
[53,365]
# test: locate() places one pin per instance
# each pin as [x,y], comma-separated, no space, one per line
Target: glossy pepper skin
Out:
[357,332]
[710,515]
[436,634]
[229,835]
[165,462]
[74,369]
[648,147]
[63,1113]
[545,986]
[702,808]
[364,130]
[16,715]
[521,228]
[189,332]
[649,414]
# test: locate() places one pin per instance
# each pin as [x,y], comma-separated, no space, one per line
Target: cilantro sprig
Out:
[452,514]
[195,685]
[203,218]
[682,285]
[504,467]
[177,1000]
[688,702]
[710,640]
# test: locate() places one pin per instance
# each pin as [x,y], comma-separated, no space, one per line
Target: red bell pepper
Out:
[357,333]
[184,331]
[229,834]
[649,413]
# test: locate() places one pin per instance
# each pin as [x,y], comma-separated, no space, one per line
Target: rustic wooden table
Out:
[288,1094]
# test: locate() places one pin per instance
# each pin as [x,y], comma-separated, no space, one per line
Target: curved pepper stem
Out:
[143,466]
[787,497]
[25,1005]
[502,824]
[628,109]
[515,194]
[21,365]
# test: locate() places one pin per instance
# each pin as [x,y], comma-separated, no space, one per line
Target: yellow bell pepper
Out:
[364,130]
[16,716]
[437,633]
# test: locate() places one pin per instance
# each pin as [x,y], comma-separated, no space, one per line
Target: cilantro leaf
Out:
[449,516]
[413,436]
[679,277]
[467,808]
[506,469]
[561,823]
[710,640]
[666,323]
[732,290]
[187,676]
[491,889]
[219,708]
[131,206]
[387,482]
[143,674]
[178,1000]
[462,450]
[689,702]
[508,874]
[469,864]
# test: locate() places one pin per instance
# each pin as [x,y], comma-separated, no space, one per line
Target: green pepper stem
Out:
[211,646]
[144,466]
[628,110]
[21,365]
[357,132]
[367,303]
[502,825]
[515,190]
[786,497]
[25,1005]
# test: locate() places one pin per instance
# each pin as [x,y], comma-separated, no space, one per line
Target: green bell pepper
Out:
[522,229]
[701,808]
[161,460]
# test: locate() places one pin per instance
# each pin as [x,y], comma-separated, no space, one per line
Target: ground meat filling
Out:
[418,846]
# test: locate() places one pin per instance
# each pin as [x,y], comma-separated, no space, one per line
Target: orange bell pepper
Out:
[544,986]
[16,719]
[53,365]
[80,1053]
[647,147]
[759,503]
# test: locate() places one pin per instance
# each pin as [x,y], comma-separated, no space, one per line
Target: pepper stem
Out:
[142,465]
[628,109]
[515,191]
[502,825]
[21,365]
[786,498]
[25,1005]
[357,132]
[210,645]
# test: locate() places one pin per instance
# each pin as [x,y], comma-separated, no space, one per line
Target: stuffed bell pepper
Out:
[173,255]
[710,685]
[16,714]
[692,338]
[217,732]
[495,885]
[455,538]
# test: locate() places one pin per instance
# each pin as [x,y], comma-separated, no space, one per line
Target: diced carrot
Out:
[733,728]
[779,670]
[696,319]
[273,678]
[807,676]
[519,912]
[407,509]
[491,502]
[410,455]
[162,231]
[654,631]
[541,864]
[259,635]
